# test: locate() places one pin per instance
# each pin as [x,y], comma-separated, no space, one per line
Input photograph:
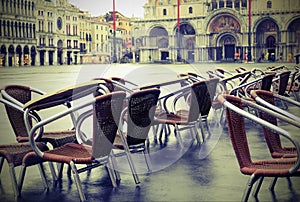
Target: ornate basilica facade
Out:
[218,30]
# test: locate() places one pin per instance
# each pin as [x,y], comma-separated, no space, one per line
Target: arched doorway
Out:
[3,55]
[185,38]
[33,55]
[293,39]
[11,56]
[267,36]
[158,37]
[19,55]
[271,45]
[226,45]
[42,57]
[26,55]
[224,32]
[60,52]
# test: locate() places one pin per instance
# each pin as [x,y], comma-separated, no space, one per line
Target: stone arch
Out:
[3,53]
[226,46]
[19,55]
[267,36]
[159,36]
[26,55]
[11,55]
[224,23]
[32,55]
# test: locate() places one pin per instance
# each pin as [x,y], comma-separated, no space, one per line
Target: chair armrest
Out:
[268,125]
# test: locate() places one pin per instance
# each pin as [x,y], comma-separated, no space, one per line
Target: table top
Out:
[63,95]
[163,83]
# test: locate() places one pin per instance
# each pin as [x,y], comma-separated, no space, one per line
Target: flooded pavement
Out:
[196,173]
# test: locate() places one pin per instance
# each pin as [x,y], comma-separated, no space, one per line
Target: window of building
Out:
[221,4]
[236,4]
[228,4]
[164,11]
[244,3]
[190,10]
[269,4]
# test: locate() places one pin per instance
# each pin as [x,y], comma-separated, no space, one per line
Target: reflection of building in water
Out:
[214,30]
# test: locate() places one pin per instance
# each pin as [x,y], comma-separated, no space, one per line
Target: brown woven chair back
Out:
[106,110]
[237,131]
[283,82]
[272,139]
[141,110]
[209,97]
[266,82]
[201,98]
[16,117]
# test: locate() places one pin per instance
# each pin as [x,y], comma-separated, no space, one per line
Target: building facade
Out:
[218,30]
[17,32]
[55,32]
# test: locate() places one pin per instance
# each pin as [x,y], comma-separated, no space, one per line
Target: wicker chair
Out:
[206,106]
[267,99]
[19,95]
[199,101]
[16,154]
[235,116]
[138,116]
[293,85]
[106,114]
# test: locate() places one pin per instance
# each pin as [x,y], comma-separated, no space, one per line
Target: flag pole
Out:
[114,32]
[249,55]
[178,31]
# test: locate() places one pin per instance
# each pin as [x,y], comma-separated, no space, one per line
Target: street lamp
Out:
[249,56]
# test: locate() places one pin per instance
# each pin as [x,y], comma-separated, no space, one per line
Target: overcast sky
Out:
[100,7]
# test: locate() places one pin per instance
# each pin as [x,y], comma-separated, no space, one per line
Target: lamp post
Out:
[114,33]
[249,56]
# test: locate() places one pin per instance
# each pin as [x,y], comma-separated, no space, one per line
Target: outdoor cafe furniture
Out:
[16,154]
[106,110]
[257,169]
[199,98]
[136,120]
[19,95]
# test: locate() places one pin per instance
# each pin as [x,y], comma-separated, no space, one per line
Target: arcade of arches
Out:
[225,40]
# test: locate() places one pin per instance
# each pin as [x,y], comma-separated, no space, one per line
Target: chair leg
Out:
[247,192]
[77,181]
[114,166]
[272,185]
[43,175]
[132,167]
[178,136]
[111,172]
[202,130]
[14,180]
[21,176]
[53,173]
[207,126]
[60,167]
[197,134]
[257,188]
[147,160]
[1,163]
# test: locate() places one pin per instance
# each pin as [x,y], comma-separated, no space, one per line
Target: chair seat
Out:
[55,138]
[15,153]
[171,119]
[271,168]
[79,153]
